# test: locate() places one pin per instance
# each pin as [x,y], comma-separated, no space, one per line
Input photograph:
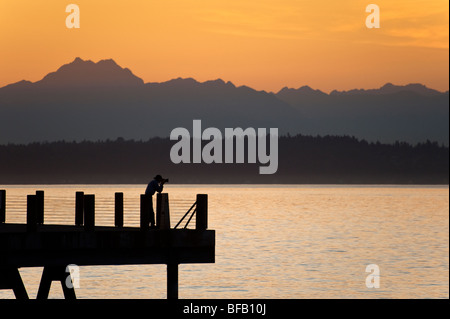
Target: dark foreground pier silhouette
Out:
[54,247]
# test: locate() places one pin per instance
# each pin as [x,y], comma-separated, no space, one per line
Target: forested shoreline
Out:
[302,160]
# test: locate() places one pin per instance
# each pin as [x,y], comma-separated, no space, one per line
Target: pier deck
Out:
[64,245]
[54,247]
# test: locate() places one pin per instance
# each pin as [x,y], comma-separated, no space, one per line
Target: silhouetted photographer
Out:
[156,185]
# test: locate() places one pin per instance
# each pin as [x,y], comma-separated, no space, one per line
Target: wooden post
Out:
[158,209]
[2,206]
[31,213]
[201,221]
[79,208]
[40,207]
[146,206]
[162,211]
[89,212]
[172,281]
[118,210]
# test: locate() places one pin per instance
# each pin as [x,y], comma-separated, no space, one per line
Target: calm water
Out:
[275,242]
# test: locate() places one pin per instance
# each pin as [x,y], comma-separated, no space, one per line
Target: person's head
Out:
[158,178]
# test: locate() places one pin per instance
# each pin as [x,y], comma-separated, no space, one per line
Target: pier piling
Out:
[10,279]
[162,211]
[55,273]
[2,206]
[40,207]
[146,206]
[201,221]
[89,212]
[79,208]
[31,213]
[172,281]
[118,209]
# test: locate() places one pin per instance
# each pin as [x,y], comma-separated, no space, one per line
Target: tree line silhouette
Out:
[302,160]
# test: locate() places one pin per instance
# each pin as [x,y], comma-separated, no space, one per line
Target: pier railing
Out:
[158,215]
[200,210]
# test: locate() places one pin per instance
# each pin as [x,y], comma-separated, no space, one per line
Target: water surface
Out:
[274,241]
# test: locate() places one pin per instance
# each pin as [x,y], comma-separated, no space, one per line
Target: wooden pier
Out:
[54,247]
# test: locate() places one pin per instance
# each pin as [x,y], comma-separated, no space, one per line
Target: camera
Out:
[165,180]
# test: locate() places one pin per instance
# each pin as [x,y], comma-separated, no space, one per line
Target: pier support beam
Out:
[172,281]
[55,273]
[10,279]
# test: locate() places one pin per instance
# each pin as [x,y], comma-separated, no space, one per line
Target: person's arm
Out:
[160,188]
[152,187]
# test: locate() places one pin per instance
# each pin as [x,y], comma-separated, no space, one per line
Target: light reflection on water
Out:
[274,241]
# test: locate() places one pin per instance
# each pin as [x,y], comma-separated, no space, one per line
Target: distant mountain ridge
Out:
[82,73]
[107,72]
[390,88]
[84,100]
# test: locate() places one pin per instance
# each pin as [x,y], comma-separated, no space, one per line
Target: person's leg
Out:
[152,215]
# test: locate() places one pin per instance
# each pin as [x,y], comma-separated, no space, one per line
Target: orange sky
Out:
[265,44]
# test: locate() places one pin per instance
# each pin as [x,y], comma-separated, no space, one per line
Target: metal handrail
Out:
[181,220]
